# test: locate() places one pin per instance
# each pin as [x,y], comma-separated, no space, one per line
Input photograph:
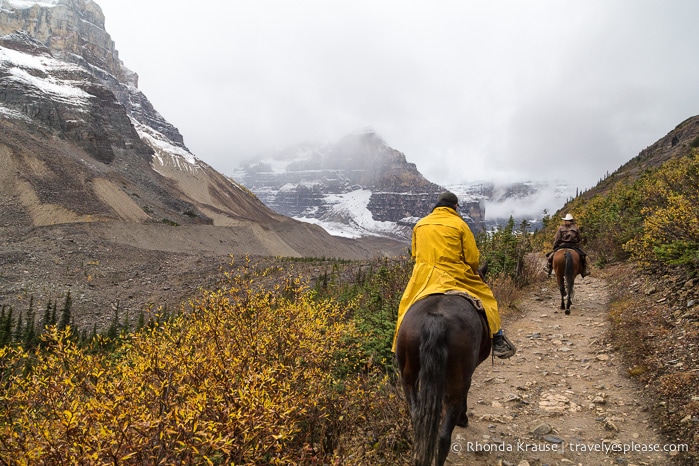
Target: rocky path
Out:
[563,399]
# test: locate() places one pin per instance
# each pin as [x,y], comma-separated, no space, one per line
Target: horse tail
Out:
[428,410]
[569,273]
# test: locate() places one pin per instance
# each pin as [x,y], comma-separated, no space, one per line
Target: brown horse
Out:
[566,263]
[441,341]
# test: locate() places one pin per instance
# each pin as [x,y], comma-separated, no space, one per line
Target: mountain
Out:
[99,195]
[359,186]
[356,186]
[83,144]
[72,108]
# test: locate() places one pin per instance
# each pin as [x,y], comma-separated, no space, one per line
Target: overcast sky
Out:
[467,90]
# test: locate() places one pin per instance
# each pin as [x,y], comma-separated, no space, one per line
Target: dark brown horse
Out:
[441,341]
[567,265]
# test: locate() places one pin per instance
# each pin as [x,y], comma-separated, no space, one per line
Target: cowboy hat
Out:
[568,217]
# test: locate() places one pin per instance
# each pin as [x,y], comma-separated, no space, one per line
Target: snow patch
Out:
[13,114]
[183,159]
[23,4]
[350,217]
[42,78]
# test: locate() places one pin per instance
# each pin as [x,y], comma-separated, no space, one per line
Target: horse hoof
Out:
[463,421]
[567,312]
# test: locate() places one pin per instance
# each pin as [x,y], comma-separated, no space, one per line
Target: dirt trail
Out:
[563,398]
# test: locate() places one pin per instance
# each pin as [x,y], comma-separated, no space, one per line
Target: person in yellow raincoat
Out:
[447,258]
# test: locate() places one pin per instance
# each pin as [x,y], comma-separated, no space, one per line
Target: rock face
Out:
[68,28]
[319,182]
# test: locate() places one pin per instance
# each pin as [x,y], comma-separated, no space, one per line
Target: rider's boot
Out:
[502,346]
[584,273]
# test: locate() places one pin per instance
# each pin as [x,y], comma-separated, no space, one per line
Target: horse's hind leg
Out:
[570,283]
[560,280]
[410,390]
[462,420]
[411,398]
[453,412]
[563,297]
[409,368]
[456,404]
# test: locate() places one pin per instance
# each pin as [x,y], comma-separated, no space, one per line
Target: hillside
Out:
[673,146]
[99,195]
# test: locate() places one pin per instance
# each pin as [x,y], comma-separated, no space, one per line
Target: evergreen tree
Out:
[141,321]
[65,313]
[505,250]
[6,326]
[19,329]
[29,338]
[53,320]
[46,320]
[127,323]
[113,330]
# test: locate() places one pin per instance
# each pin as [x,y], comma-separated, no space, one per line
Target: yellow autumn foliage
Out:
[249,374]
[671,215]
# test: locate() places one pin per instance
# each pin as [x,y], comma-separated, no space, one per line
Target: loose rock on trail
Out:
[564,398]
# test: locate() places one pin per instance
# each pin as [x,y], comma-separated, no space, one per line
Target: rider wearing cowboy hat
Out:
[568,236]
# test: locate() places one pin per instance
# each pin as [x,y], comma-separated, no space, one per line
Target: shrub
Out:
[670,234]
[248,375]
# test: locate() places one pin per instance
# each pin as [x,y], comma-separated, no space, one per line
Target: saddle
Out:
[574,246]
[475,302]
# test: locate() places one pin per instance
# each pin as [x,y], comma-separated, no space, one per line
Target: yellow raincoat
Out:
[446,258]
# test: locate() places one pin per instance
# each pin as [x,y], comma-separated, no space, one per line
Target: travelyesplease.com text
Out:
[604,447]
